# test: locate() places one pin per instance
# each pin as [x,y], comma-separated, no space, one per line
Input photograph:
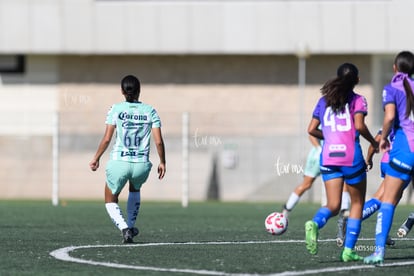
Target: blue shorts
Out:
[351,174]
[118,173]
[401,158]
[384,166]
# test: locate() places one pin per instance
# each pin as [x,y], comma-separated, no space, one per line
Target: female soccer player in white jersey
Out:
[340,114]
[398,103]
[133,122]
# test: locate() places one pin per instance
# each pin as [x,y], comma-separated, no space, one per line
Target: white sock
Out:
[134,202]
[346,201]
[292,201]
[115,213]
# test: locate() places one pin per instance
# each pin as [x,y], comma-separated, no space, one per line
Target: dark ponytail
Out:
[404,63]
[338,91]
[409,109]
[131,88]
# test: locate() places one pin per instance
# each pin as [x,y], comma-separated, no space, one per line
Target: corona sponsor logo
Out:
[136,117]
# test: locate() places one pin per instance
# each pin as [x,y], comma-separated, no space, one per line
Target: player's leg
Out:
[115,213]
[397,176]
[392,191]
[405,228]
[115,180]
[372,205]
[133,206]
[343,217]
[353,226]
[311,172]
[139,174]
[297,194]
[355,178]
[333,186]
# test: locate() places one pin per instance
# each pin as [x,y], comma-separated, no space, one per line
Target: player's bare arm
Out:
[313,129]
[159,143]
[103,145]
[389,115]
[371,152]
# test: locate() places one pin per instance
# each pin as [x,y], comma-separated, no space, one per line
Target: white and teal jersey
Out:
[133,122]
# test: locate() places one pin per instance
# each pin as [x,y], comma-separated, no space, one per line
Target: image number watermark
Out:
[365,248]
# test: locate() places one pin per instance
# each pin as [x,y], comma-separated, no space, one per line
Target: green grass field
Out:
[204,239]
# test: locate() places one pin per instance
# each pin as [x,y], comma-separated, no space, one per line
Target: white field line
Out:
[63,255]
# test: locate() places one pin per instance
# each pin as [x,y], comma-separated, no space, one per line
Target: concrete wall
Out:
[249,106]
[231,64]
[204,27]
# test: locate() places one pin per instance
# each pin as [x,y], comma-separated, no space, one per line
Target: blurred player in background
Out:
[398,103]
[405,228]
[311,173]
[339,119]
[133,122]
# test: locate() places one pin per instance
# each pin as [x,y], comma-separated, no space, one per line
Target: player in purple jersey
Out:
[311,172]
[340,114]
[133,122]
[398,103]
[372,205]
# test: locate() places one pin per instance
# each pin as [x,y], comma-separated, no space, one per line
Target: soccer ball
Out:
[276,223]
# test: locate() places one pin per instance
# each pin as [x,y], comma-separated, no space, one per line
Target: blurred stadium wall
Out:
[248,73]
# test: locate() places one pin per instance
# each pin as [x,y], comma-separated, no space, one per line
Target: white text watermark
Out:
[283,168]
[71,100]
[206,140]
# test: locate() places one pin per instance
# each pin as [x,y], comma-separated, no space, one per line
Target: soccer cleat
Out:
[339,242]
[341,223]
[127,235]
[134,231]
[405,228]
[402,232]
[390,241]
[311,238]
[376,258]
[349,255]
